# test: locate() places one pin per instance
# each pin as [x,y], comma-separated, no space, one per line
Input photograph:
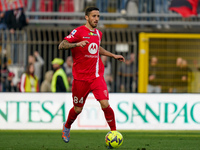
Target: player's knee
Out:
[78,110]
[104,103]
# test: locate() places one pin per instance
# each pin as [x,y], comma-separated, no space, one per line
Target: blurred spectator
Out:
[29,82]
[4,72]
[38,62]
[79,5]
[15,20]
[107,72]
[56,4]
[68,70]
[188,26]
[127,74]
[46,84]
[186,76]
[59,81]
[11,86]
[30,5]
[143,9]
[16,73]
[176,76]
[132,7]
[35,2]
[196,65]
[154,86]
[121,4]
[3,26]
[102,5]
[2,21]
[159,6]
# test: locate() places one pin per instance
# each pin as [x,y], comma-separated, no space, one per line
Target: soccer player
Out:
[88,69]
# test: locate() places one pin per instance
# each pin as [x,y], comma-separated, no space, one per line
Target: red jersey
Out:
[87,63]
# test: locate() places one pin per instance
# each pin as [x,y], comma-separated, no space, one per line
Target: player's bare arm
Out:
[64,45]
[104,52]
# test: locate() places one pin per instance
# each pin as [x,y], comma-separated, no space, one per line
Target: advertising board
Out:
[132,111]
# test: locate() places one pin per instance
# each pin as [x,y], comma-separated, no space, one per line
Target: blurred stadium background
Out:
[121,34]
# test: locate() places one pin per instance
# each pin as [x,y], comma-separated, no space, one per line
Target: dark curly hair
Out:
[89,9]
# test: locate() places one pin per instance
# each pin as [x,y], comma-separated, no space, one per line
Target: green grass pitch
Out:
[94,140]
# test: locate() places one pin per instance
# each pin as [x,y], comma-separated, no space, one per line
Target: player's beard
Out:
[92,24]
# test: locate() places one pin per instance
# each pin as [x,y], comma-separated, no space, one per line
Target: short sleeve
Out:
[72,37]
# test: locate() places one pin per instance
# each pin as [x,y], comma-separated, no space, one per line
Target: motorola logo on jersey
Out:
[92,48]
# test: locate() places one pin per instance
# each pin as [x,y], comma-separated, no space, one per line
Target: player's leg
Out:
[109,114]
[100,91]
[73,113]
[80,91]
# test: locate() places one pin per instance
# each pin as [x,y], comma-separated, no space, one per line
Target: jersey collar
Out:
[89,29]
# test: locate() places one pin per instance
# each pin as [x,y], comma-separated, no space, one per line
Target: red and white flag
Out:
[6,5]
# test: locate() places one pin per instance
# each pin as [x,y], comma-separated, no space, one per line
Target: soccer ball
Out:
[113,139]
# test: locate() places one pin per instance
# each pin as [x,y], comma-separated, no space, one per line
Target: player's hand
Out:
[119,57]
[82,43]
[36,53]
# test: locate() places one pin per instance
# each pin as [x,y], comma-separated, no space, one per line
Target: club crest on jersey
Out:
[92,48]
[93,34]
[73,32]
